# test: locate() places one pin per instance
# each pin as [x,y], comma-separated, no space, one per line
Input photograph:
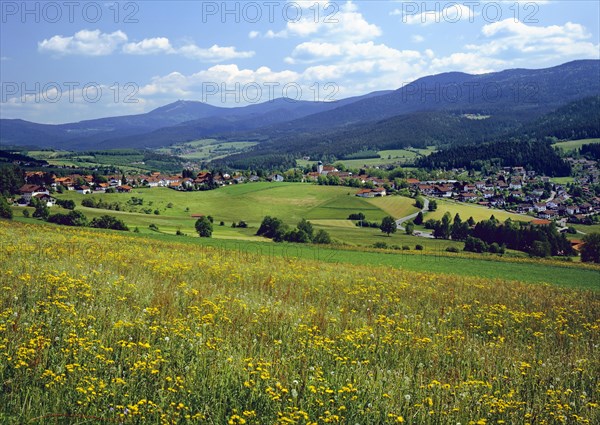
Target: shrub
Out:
[381,245]
[430,224]
[153,227]
[475,245]
[419,218]
[405,248]
[419,202]
[73,218]
[5,210]
[452,249]
[540,249]
[419,247]
[322,237]
[388,225]
[26,213]
[590,251]
[495,248]
[306,227]
[109,222]
[356,216]
[204,227]
[67,204]
[41,211]
[297,235]
[271,227]
[242,224]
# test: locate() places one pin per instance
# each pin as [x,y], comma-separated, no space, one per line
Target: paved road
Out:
[551,198]
[400,221]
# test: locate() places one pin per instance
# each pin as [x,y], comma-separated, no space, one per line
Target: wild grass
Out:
[98,327]
[574,145]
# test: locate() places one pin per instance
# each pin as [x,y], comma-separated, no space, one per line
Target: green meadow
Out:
[327,207]
[386,157]
[466,210]
[206,149]
[573,145]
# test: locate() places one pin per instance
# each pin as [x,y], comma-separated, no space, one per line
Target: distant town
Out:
[514,189]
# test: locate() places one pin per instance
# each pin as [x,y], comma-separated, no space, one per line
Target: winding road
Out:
[400,221]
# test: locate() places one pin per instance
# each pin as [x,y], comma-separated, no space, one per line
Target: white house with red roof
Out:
[28,191]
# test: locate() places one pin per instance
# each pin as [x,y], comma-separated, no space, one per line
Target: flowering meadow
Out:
[100,327]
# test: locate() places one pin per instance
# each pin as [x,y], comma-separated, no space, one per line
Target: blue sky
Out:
[68,61]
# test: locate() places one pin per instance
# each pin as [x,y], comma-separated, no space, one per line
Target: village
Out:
[514,189]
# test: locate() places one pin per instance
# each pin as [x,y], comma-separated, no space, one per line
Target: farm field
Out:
[328,207]
[468,210]
[562,180]
[393,156]
[206,149]
[433,258]
[169,332]
[595,228]
[99,159]
[248,202]
[573,145]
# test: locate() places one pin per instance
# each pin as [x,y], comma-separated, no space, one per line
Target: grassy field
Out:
[433,258]
[573,145]
[562,180]
[70,159]
[250,203]
[206,149]
[586,229]
[386,157]
[469,210]
[328,207]
[105,328]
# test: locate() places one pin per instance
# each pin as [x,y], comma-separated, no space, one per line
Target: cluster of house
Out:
[41,193]
[515,187]
[586,171]
[184,183]
[512,187]
[330,171]
[86,184]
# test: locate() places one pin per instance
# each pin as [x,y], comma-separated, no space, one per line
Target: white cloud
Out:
[465,62]
[558,41]
[84,42]
[416,38]
[191,86]
[95,43]
[215,53]
[311,51]
[149,46]
[334,23]
[253,34]
[272,34]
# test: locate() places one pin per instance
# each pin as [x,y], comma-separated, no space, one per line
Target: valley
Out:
[393,257]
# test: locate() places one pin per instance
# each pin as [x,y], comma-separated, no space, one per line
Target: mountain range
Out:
[443,110]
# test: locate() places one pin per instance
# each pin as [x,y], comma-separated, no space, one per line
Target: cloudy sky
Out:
[69,61]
